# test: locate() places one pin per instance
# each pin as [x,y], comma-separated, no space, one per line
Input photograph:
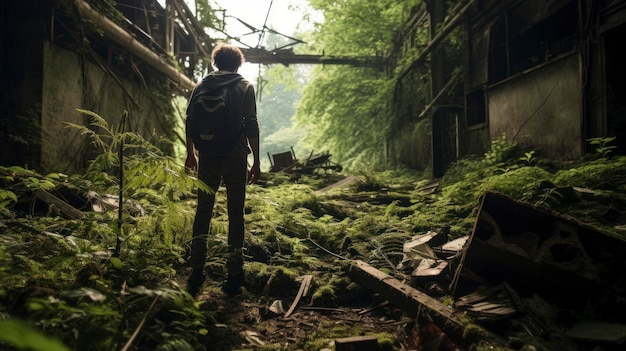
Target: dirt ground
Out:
[246,322]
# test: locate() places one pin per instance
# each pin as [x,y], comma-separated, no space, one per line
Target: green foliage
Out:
[60,278]
[149,177]
[22,336]
[145,165]
[345,109]
[6,198]
[500,151]
[529,157]
[28,178]
[599,174]
[602,146]
[68,283]
[522,183]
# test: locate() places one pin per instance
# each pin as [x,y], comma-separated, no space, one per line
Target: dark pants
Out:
[232,173]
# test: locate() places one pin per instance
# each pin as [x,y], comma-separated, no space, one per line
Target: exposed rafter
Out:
[287,57]
[442,34]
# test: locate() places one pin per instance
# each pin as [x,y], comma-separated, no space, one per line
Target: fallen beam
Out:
[416,303]
[63,207]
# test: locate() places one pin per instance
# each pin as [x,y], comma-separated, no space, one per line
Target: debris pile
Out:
[287,162]
[525,277]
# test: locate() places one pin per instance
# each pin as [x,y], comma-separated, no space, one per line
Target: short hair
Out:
[227,57]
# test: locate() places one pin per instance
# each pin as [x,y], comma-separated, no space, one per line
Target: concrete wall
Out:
[62,95]
[542,108]
[68,84]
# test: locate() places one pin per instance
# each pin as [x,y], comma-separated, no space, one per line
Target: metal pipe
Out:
[124,39]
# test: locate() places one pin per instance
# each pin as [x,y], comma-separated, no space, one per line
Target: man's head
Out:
[227,57]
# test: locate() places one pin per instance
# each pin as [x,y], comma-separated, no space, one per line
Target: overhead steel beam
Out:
[287,57]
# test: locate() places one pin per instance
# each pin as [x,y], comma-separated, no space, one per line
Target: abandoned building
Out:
[60,56]
[545,74]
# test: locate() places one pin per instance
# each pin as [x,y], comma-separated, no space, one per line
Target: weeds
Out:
[59,275]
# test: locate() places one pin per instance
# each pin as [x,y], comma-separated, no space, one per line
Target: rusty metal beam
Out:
[127,41]
[287,57]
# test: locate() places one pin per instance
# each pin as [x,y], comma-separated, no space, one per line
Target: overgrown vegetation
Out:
[355,118]
[66,286]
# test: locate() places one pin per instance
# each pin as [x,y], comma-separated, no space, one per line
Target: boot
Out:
[235,279]
[195,281]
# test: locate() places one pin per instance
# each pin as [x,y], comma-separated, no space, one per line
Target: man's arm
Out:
[191,161]
[251,125]
[255,170]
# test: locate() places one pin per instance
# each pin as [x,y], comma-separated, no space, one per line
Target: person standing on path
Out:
[229,168]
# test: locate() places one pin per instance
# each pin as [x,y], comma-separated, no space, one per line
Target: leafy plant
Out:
[22,336]
[6,198]
[149,176]
[528,157]
[501,150]
[602,146]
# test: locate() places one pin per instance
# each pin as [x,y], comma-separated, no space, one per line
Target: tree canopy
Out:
[345,109]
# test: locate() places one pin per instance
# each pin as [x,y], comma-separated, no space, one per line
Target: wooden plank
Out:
[66,209]
[361,343]
[415,302]
[304,287]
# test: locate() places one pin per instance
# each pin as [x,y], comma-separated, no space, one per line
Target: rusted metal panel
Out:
[538,251]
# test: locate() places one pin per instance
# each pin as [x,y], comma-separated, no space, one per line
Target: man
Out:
[229,168]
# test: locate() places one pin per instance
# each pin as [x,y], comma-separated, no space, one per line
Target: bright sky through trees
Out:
[283,16]
[245,20]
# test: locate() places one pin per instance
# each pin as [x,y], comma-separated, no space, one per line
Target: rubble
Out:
[526,276]
[287,162]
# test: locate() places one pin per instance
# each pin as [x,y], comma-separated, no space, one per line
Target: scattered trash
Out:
[521,265]
[252,337]
[287,162]
[277,307]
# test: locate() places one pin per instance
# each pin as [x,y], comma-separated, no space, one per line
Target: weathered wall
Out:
[473,141]
[411,145]
[62,86]
[542,108]
[68,84]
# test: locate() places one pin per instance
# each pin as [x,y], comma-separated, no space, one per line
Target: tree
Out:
[279,95]
[347,107]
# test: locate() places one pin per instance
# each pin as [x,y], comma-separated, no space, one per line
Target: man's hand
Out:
[254,173]
[191,163]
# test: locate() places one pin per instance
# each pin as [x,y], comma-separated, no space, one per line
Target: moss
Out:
[271,280]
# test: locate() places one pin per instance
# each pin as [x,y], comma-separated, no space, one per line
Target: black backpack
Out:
[210,124]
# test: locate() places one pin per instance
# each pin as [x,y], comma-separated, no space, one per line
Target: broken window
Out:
[475,108]
[530,34]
